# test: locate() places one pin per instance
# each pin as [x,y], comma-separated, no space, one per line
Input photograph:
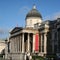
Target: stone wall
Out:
[16,56]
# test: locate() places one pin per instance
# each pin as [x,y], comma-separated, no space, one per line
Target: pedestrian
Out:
[27,58]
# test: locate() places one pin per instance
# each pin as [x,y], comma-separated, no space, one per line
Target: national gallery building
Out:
[38,38]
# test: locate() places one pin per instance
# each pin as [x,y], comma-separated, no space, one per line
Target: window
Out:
[30,22]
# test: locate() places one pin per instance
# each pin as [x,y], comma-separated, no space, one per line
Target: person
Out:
[27,58]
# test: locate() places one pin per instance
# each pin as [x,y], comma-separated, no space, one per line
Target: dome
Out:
[33,13]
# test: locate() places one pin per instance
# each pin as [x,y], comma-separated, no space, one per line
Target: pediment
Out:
[16,29]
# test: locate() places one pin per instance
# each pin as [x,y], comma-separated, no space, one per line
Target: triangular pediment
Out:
[16,29]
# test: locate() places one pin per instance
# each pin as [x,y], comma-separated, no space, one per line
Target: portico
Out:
[22,41]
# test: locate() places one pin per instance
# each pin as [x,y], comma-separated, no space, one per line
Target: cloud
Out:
[56,15]
[47,17]
[23,10]
[1,31]
[53,16]
[4,33]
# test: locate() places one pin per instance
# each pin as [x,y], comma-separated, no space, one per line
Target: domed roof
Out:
[34,13]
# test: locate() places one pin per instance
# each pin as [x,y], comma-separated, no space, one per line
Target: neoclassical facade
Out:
[25,41]
[38,37]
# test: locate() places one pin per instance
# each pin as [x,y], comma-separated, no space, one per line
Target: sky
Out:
[13,13]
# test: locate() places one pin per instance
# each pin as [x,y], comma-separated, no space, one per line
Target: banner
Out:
[37,42]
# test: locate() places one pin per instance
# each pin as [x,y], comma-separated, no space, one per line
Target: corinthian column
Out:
[23,43]
[28,43]
[33,42]
[41,43]
[45,43]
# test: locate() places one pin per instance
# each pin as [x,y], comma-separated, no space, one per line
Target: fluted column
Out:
[33,42]
[28,43]
[12,45]
[15,44]
[20,43]
[23,43]
[41,42]
[45,42]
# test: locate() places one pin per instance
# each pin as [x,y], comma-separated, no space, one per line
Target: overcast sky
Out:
[13,12]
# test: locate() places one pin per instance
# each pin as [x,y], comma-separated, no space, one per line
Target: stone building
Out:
[2,45]
[2,48]
[25,41]
[49,38]
[55,38]
[39,38]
